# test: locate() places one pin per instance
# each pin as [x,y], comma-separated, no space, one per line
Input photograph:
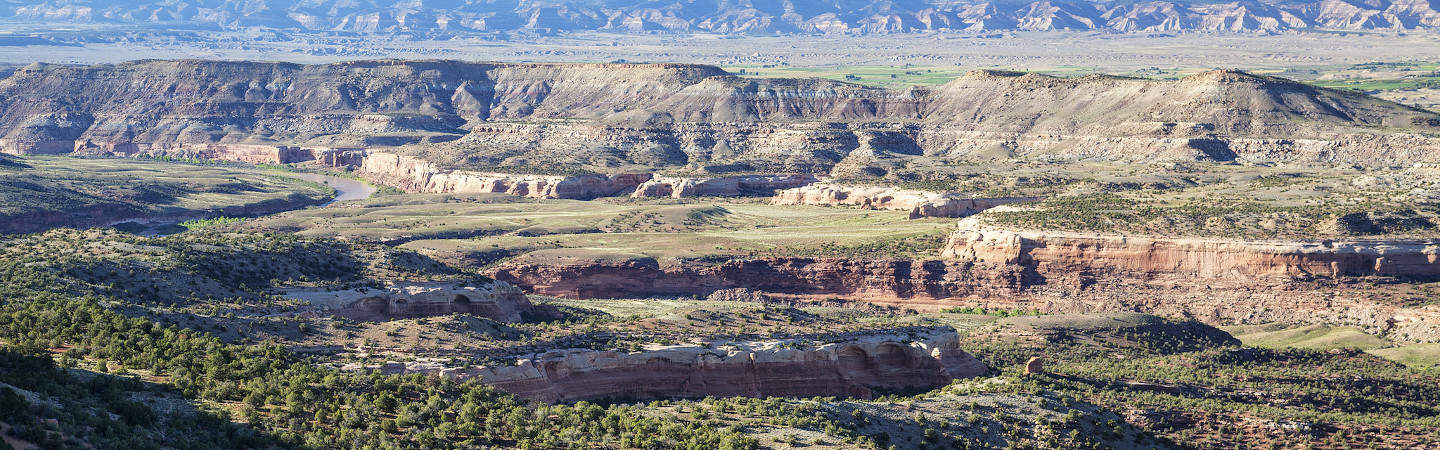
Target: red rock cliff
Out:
[877,280]
[1146,255]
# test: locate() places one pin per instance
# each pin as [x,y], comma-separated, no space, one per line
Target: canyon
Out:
[720,224]
[1243,281]
[446,126]
[858,366]
[1215,280]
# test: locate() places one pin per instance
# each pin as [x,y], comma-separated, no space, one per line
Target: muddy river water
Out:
[345,188]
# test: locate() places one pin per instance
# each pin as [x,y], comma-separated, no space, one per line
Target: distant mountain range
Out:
[739,16]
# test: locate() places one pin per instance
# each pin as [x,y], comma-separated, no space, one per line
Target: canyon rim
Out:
[738,225]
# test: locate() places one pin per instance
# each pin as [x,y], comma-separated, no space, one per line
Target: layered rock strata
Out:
[919,203]
[1216,280]
[859,367]
[1198,257]
[496,300]
[895,280]
[677,116]
[417,175]
[751,185]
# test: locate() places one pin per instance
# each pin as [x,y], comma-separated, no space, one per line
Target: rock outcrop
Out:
[888,281]
[1216,280]
[1194,257]
[747,185]
[641,117]
[919,203]
[417,175]
[854,367]
[1035,366]
[499,301]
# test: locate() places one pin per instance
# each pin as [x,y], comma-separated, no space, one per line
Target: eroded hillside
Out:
[571,255]
[608,118]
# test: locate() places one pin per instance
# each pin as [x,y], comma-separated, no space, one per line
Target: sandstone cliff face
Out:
[417,175]
[497,300]
[855,367]
[1048,251]
[919,203]
[1215,280]
[671,116]
[1212,280]
[683,187]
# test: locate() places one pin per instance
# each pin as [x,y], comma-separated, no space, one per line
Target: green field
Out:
[1416,355]
[1314,337]
[902,76]
[1321,337]
[482,227]
[1382,76]
[880,76]
[1369,85]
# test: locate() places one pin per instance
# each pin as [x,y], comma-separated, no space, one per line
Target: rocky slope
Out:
[803,16]
[497,300]
[919,203]
[557,273]
[622,117]
[855,367]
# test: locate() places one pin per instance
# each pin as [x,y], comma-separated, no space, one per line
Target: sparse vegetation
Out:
[196,224]
[464,229]
[1272,206]
[55,192]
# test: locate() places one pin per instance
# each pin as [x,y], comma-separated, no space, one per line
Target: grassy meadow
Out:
[1324,337]
[491,226]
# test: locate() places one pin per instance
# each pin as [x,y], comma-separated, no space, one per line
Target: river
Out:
[345,188]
